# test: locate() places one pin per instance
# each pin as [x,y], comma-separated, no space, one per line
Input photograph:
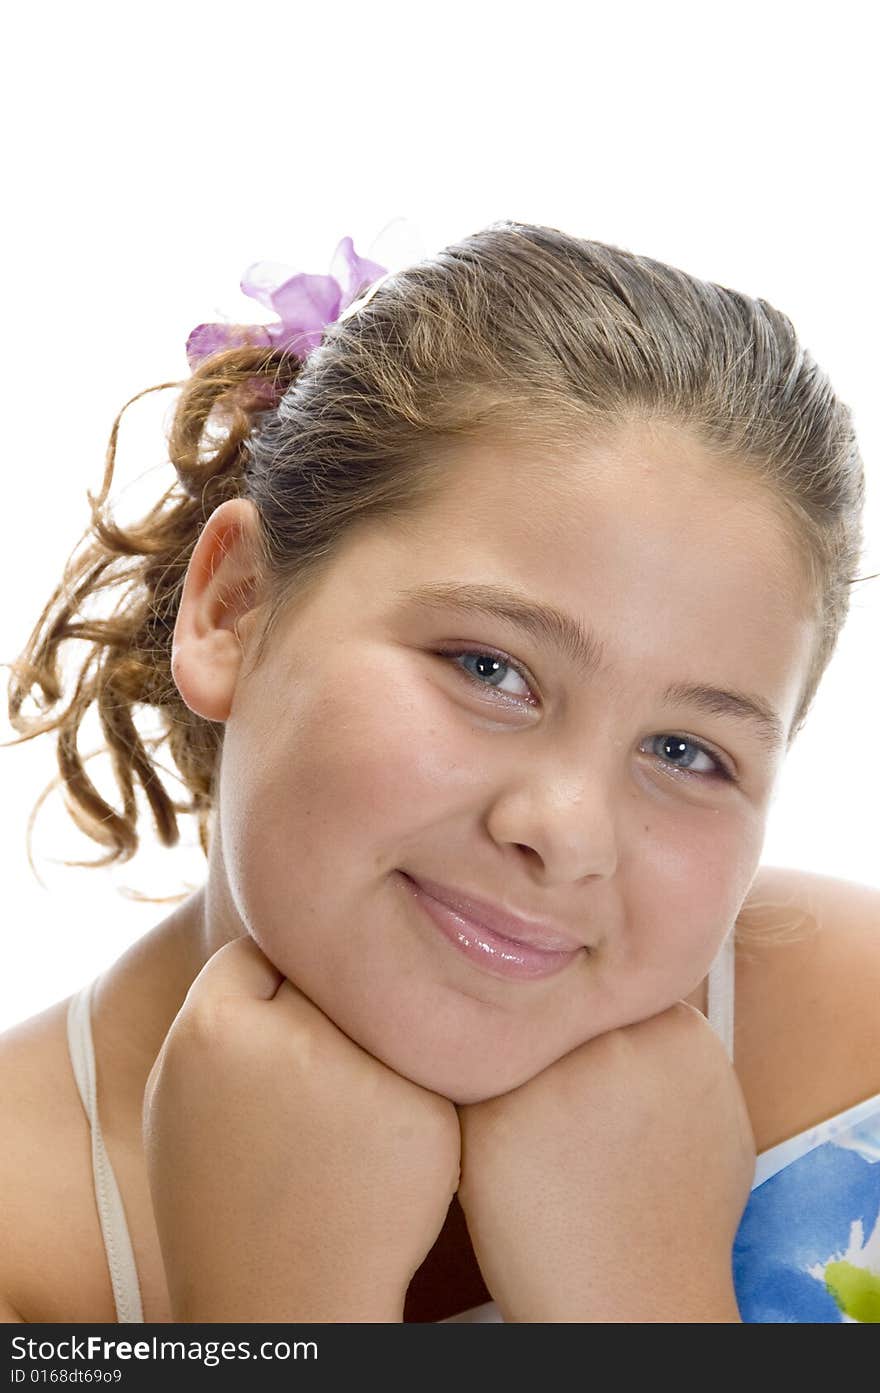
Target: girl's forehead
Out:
[652,497]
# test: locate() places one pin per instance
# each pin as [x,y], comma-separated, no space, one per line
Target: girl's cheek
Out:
[690,870]
[394,739]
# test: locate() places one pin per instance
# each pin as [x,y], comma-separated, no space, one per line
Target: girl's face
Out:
[386,735]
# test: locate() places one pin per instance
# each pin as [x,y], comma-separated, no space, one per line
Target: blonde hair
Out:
[518,328]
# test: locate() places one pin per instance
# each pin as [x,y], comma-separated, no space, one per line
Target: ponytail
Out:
[127,658]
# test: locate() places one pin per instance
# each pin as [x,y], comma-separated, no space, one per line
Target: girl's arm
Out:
[610,1187]
[293,1176]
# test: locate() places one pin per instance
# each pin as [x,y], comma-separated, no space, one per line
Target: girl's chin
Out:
[464,1090]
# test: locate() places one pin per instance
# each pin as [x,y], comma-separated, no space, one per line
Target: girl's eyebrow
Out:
[547,624]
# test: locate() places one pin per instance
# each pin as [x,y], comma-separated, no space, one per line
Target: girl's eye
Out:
[680,755]
[490,669]
[676,747]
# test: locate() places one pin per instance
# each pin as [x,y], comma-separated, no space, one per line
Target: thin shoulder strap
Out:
[720,1003]
[120,1255]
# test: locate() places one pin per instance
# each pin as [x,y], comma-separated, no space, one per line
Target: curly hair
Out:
[516,329]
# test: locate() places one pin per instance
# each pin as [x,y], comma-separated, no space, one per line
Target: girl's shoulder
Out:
[807,1001]
[53,1266]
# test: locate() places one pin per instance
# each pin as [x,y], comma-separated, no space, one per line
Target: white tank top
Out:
[111,1211]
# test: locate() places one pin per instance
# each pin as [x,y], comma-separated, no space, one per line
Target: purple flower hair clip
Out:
[305,305]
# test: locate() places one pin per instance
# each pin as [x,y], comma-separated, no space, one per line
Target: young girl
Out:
[480,618]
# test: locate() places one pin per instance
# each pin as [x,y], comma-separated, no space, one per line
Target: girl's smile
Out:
[488,948]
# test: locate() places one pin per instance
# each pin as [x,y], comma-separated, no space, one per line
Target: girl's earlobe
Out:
[205,672]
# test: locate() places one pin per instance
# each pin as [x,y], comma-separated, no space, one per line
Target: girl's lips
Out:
[500,956]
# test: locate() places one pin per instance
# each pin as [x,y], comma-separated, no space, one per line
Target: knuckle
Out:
[614,1047]
[681,1020]
[682,1016]
[206,1021]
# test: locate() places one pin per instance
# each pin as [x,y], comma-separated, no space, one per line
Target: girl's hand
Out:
[294,1177]
[610,1187]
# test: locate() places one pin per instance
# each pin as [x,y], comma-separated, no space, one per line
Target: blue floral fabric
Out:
[808,1245]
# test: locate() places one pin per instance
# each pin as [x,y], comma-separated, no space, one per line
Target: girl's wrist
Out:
[306,1312]
[662,1301]
[287,1303]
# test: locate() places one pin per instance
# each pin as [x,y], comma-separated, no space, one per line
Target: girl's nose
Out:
[568,822]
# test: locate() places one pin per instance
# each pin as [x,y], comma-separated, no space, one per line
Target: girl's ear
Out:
[221,587]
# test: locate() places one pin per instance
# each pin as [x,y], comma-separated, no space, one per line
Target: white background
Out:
[156,151]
